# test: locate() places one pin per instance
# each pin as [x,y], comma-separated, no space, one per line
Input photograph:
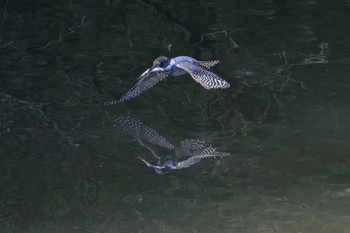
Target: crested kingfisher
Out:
[163,67]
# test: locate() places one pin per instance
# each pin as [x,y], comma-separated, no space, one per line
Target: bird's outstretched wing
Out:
[146,136]
[202,76]
[190,161]
[208,64]
[202,149]
[147,80]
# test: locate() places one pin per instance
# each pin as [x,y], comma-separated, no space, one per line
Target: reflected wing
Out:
[202,76]
[195,144]
[147,80]
[190,161]
[146,136]
[202,149]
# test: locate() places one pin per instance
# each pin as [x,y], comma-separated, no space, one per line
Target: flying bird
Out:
[163,67]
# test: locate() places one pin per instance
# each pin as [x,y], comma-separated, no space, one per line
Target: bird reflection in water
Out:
[167,156]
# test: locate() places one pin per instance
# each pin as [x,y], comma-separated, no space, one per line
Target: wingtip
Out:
[110,103]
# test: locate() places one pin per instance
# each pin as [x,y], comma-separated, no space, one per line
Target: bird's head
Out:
[170,163]
[159,64]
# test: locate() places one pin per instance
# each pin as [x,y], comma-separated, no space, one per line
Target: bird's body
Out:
[163,67]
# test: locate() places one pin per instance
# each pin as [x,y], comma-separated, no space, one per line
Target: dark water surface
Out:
[65,165]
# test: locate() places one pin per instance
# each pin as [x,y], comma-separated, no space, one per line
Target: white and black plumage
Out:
[163,67]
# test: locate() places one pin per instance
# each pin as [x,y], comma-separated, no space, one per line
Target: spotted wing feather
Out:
[141,131]
[146,136]
[202,148]
[146,82]
[192,160]
[208,64]
[202,76]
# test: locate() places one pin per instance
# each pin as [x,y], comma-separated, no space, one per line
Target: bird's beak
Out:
[151,70]
[155,69]
[144,73]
